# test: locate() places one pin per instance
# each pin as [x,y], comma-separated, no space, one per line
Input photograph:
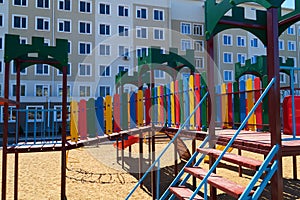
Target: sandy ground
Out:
[94,173]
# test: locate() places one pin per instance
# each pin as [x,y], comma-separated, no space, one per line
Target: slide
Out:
[130,141]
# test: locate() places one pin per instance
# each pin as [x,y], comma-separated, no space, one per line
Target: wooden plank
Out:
[258,111]
[265,105]
[184,193]
[100,115]
[140,108]
[168,105]
[224,104]
[116,113]
[172,97]
[230,110]
[91,116]
[124,111]
[177,104]
[132,111]
[74,121]
[192,101]
[242,100]
[218,105]
[230,187]
[197,100]
[236,100]
[147,97]
[186,100]
[204,106]
[161,105]
[82,125]
[250,104]
[108,113]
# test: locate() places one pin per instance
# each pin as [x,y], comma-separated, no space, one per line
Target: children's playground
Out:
[206,124]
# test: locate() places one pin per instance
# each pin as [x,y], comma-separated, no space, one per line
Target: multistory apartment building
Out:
[106,37]
[3,30]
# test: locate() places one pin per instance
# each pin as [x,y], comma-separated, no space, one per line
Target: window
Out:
[158,15]
[291,30]
[1,67]
[122,68]
[227,40]
[123,11]
[199,45]
[41,69]
[240,41]
[241,58]
[12,114]
[123,30]
[20,2]
[295,78]
[85,27]
[14,71]
[69,47]
[1,1]
[281,44]
[198,29]
[141,13]
[84,69]
[85,6]
[59,73]
[141,51]
[185,44]
[23,40]
[227,57]
[104,71]
[19,21]
[60,90]
[291,46]
[42,24]
[85,48]
[104,9]
[141,32]
[282,78]
[104,90]
[41,90]
[159,74]
[228,75]
[57,114]
[185,28]
[35,113]
[64,5]
[104,29]
[158,34]
[64,25]
[1,20]
[84,91]
[199,63]
[123,51]
[254,59]
[104,50]
[22,90]
[1,43]
[42,4]
[254,42]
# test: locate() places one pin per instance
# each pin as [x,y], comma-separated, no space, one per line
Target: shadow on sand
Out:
[291,187]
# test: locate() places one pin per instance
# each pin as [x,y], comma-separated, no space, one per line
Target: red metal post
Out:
[211,104]
[274,94]
[63,134]
[5,131]
[18,87]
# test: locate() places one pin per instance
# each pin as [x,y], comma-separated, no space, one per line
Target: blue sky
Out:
[289,3]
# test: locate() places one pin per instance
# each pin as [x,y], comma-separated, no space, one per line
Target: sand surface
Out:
[95,173]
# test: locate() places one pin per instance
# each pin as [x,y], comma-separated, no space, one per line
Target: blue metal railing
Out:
[35,125]
[157,161]
[214,166]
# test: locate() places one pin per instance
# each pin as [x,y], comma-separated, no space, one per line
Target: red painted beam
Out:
[242,25]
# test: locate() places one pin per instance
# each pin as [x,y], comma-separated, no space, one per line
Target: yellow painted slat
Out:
[140,110]
[224,106]
[108,112]
[192,101]
[74,121]
[250,104]
[172,91]
[158,105]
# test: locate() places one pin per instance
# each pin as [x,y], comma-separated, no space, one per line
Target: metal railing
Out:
[157,161]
